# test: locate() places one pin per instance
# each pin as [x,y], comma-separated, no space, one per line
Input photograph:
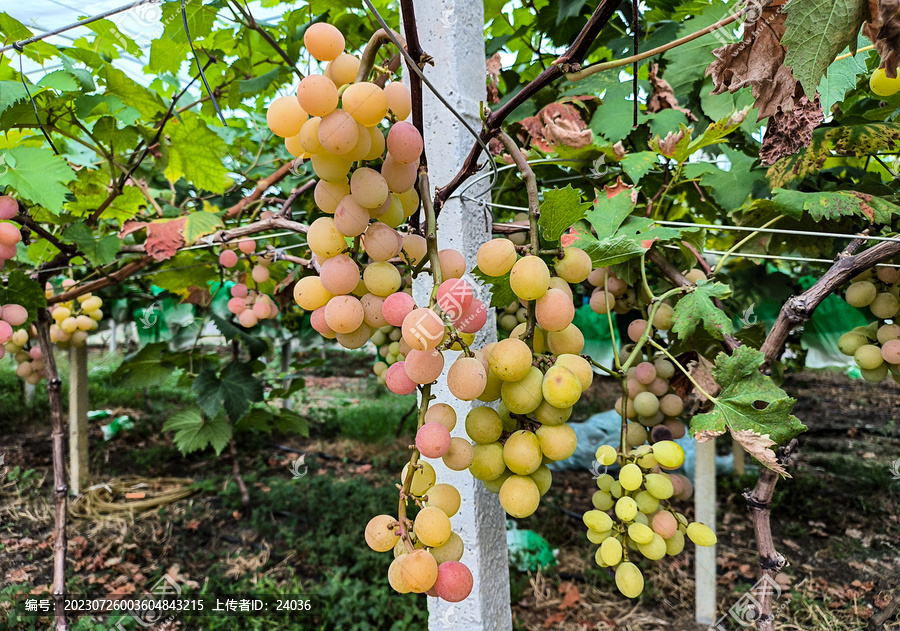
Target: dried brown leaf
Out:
[757,61]
[669,144]
[163,237]
[790,131]
[758,446]
[493,72]
[663,96]
[884,31]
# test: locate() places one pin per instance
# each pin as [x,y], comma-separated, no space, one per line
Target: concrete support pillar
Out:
[705,508]
[78,421]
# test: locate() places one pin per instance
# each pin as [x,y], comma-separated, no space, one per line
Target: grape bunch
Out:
[430,562]
[391,349]
[250,305]
[876,347]
[10,236]
[632,514]
[651,406]
[15,341]
[74,319]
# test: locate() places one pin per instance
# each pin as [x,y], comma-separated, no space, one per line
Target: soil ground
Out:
[837,520]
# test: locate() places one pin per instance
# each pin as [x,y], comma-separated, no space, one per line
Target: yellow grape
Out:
[631,477]
[629,580]
[309,294]
[640,533]
[309,135]
[602,500]
[523,396]
[453,263]
[459,456]
[568,341]
[575,265]
[861,294]
[669,454]
[537,341]
[363,144]
[510,359]
[496,484]
[560,387]
[399,99]
[419,570]
[579,366]
[487,462]
[330,167]
[598,537]
[675,544]
[646,502]
[368,187]
[394,214]
[379,536]
[410,201]
[519,496]
[329,194]
[529,278]
[606,455]
[626,509]
[543,477]
[342,69]
[324,239]
[882,85]
[492,389]
[323,41]
[522,452]
[382,279]
[432,526]
[496,257]
[366,102]
[285,117]
[415,249]
[701,534]
[483,425]
[344,314]
[611,552]
[395,578]
[338,132]
[382,242]
[557,442]
[546,414]
[317,95]
[423,479]
[659,485]
[597,520]
[350,218]
[376,144]
[443,414]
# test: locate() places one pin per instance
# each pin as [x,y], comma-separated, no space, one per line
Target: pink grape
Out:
[454,296]
[6,333]
[382,242]
[453,263]
[433,440]
[396,379]
[318,323]
[228,258]
[344,314]
[472,318]
[645,373]
[237,306]
[261,310]
[260,274]
[239,290]
[373,310]
[423,329]
[247,246]
[9,234]
[397,306]
[7,252]
[636,329]
[350,218]
[424,367]
[9,207]
[15,315]
[339,274]
[399,177]
[248,319]
[404,143]
[35,352]
[890,351]
[454,581]
[467,378]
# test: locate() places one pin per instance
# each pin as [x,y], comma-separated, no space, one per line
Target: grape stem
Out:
[746,239]
[370,54]
[612,332]
[430,233]
[687,374]
[534,213]
[411,470]
[608,371]
[648,331]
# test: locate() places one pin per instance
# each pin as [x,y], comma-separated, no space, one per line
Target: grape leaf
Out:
[697,307]
[193,432]
[731,188]
[843,75]
[98,250]
[200,224]
[637,165]
[608,213]
[748,400]
[267,419]
[145,368]
[240,388]
[21,290]
[196,153]
[501,293]
[11,92]
[686,64]
[815,32]
[561,208]
[61,80]
[208,387]
[830,205]
[38,175]
[606,251]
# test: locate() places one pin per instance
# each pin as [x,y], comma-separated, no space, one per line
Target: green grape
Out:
[496,484]
[701,534]
[483,425]
[861,294]
[646,502]
[631,477]
[646,404]
[606,455]
[635,434]
[510,359]
[640,533]
[875,375]
[543,477]
[602,500]
[675,544]
[597,520]
[560,387]
[598,537]
[522,452]
[626,509]
[557,442]
[655,549]
[611,552]
[659,485]
[885,306]
[452,550]
[669,454]
[629,580]
[868,357]
[524,396]
[519,496]
[546,414]
[487,461]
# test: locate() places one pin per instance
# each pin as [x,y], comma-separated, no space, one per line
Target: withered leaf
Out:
[790,131]
[663,97]
[493,72]
[759,446]
[884,31]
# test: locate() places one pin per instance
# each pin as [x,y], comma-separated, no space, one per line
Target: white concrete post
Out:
[705,509]
[454,35]
[78,421]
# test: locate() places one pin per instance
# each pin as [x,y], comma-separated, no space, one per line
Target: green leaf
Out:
[208,387]
[696,307]
[15,30]
[637,165]
[501,293]
[686,64]
[39,176]
[569,9]
[608,213]
[561,208]
[644,231]
[61,80]
[843,75]
[21,290]
[145,368]
[714,133]
[193,432]
[199,224]
[98,250]
[665,121]
[266,418]
[109,37]
[240,388]
[147,102]
[11,92]
[731,188]
[744,391]
[815,31]
[607,251]
[261,83]
[614,118]
[254,344]
[196,153]
[832,205]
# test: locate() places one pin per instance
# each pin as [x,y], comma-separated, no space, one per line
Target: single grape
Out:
[519,496]
[466,378]
[418,570]
[483,425]
[317,95]
[664,317]
[423,478]
[602,302]
[382,279]
[659,485]
[610,552]
[323,41]
[342,69]
[397,380]
[487,461]
[379,534]
[557,442]
[496,257]
[883,85]
[671,405]
[404,143]
[459,456]
[453,263]
[890,351]
[510,360]
[368,187]
[529,278]
[454,582]
[546,414]
[285,117]
[397,306]
[868,357]
[701,534]
[554,310]
[309,294]
[425,367]
[885,306]
[574,266]
[399,177]
[330,167]
[568,341]
[366,102]
[861,294]
[636,330]
[560,387]
[415,249]
[309,136]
